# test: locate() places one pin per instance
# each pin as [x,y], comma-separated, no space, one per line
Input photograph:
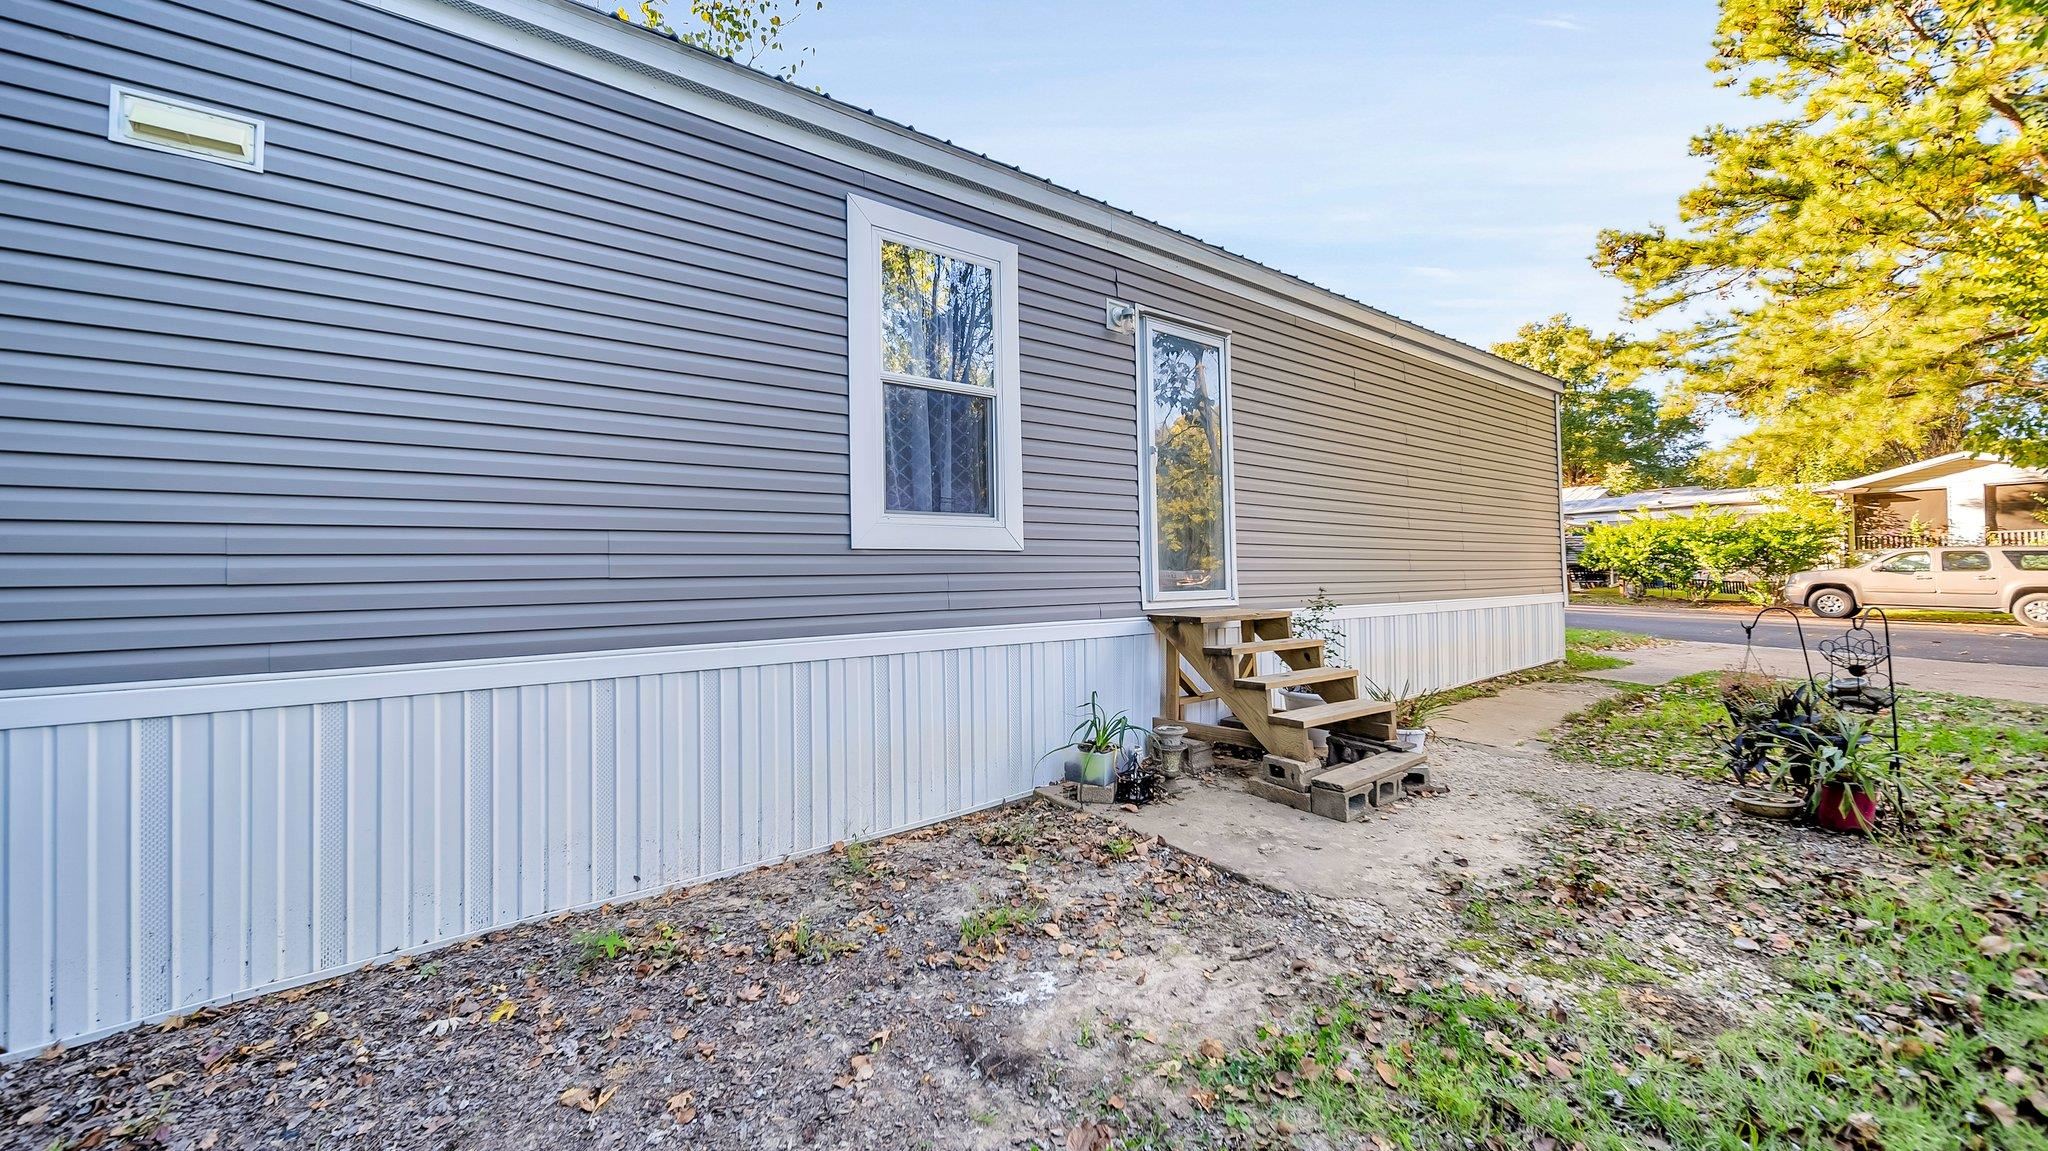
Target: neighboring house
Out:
[1584,507]
[1959,498]
[470,460]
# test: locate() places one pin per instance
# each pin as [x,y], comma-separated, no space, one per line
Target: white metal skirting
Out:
[168,846]
[1424,647]
[151,865]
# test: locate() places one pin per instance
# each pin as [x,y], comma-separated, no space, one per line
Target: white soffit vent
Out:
[165,124]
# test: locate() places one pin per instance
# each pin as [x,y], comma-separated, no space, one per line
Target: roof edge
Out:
[1903,471]
[597,45]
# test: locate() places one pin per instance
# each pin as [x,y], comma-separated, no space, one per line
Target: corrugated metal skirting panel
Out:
[1442,646]
[155,864]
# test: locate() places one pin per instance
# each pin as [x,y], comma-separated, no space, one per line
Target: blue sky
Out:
[1451,170]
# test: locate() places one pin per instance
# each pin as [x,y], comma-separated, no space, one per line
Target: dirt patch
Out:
[1396,867]
[828,1002]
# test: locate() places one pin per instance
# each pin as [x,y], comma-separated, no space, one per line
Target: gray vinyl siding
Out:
[494,360]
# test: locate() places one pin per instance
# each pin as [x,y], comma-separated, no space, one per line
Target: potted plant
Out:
[1411,712]
[1411,718]
[1847,778]
[1099,737]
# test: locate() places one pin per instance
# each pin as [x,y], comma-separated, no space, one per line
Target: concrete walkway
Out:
[1518,717]
[1666,662]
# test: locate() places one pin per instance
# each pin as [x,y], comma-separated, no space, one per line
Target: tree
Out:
[745,31]
[1836,274]
[1616,433]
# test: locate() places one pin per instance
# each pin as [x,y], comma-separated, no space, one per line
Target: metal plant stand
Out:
[1861,680]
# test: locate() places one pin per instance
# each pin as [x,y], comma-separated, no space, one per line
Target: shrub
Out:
[1699,552]
[1717,543]
[1804,534]
[1640,553]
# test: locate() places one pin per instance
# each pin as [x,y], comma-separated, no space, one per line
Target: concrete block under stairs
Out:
[1277,792]
[1290,773]
[1353,791]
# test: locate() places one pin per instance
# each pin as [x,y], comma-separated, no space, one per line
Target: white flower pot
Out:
[1412,738]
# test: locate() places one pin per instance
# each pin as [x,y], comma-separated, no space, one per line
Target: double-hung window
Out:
[936,457]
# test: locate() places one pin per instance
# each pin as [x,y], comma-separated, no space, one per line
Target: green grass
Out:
[989,922]
[602,946]
[1605,639]
[1910,1035]
[1678,727]
[1585,649]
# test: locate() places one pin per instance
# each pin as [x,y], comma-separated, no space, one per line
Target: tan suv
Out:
[1970,579]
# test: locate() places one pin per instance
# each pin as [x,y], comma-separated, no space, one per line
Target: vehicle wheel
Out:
[2031,610]
[1832,602]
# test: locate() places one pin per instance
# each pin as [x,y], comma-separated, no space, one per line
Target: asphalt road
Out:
[2010,645]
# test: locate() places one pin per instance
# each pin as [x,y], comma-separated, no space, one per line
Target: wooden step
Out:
[1352,776]
[1323,715]
[1209,615]
[1301,677]
[1240,650]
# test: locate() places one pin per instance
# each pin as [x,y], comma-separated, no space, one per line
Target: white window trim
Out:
[874,527]
[117,130]
[1148,322]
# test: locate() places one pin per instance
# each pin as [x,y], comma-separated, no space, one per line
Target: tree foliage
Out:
[747,31]
[1859,275]
[1617,433]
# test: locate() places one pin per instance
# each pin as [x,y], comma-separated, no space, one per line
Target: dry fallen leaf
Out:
[1994,945]
[751,992]
[583,1100]
[2000,1110]
[1210,1049]
[34,1117]
[505,1009]
[682,1106]
[1386,1072]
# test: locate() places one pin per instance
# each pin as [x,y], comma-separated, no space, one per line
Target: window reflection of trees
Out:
[938,316]
[1187,442]
[938,323]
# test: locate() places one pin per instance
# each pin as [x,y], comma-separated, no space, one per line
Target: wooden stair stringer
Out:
[1220,674]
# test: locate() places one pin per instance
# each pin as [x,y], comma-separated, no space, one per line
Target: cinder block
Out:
[1287,772]
[1201,756]
[1297,800]
[1417,777]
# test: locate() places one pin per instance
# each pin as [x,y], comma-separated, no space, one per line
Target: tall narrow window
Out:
[936,456]
[1189,541]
